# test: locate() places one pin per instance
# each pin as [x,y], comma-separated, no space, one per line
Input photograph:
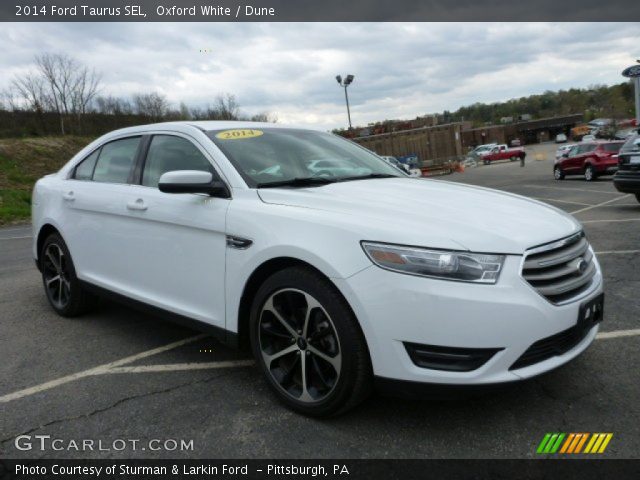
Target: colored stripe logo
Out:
[574,443]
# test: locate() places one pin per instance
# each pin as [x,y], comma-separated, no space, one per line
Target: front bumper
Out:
[511,316]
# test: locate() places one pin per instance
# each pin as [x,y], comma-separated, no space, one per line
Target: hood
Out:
[433,213]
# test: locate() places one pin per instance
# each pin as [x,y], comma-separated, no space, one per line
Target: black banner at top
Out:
[318,10]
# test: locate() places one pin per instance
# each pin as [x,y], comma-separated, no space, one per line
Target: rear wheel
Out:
[63,289]
[589,173]
[308,344]
[558,174]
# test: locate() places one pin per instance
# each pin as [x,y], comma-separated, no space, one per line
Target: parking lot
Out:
[120,374]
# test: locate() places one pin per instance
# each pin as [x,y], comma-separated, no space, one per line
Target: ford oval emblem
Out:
[581,266]
[632,71]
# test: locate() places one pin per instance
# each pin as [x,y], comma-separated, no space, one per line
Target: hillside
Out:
[22,162]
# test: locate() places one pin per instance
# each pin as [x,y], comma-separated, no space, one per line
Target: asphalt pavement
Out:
[118,374]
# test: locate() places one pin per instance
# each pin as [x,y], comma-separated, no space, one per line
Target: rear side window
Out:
[84,170]
[587,148]
[168,153]
[116,160]
[611,147]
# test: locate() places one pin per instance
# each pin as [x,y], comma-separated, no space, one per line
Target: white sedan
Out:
[339,275]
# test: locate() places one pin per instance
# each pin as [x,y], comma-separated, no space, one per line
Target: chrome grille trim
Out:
[560,271]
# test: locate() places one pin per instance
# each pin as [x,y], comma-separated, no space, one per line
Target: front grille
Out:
[560,270]
[552,346]
[452,359]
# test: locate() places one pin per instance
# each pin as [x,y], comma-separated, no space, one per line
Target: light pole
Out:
[345,83]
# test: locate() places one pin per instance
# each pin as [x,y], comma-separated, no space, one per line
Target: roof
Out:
[207,125]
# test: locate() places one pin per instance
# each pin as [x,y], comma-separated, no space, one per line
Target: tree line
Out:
[60,95]
[596,101]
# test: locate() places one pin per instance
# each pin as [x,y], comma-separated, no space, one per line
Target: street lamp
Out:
[345,83]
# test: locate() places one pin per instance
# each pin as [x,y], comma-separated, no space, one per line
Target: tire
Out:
[61,285]
[513,159]
[589,173]
[486,162]
[638,197]
[558,174]
[279,312]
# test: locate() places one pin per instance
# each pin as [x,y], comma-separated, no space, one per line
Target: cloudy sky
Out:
[401,70]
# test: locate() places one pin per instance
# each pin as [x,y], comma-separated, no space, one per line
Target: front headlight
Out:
[446,265]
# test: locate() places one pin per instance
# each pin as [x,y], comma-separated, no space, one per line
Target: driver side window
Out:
[168,153]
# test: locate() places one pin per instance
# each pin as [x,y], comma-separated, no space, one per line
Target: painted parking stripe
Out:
[615,252]
[613,220]
[178,367]
[618,334]
[562,201]
[564,189]
[99,370]
[16,229]
[599,204]
[15,238]
[118,365]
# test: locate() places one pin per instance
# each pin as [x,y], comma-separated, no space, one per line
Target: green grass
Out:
[22,162]
[15,205]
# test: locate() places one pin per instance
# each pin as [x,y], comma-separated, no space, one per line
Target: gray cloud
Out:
[402,70]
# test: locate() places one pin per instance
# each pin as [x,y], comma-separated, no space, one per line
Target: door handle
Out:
[69,196]
[137,205]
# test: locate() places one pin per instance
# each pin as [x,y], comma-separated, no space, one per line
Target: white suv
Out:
[230,226]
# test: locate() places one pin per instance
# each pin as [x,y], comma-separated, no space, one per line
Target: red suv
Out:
[590,159]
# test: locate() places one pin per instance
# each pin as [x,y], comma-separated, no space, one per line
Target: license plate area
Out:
[591,312]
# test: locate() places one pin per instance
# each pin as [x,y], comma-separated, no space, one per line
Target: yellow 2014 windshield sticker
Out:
[239,134]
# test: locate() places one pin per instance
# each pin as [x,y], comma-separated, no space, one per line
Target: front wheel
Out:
[308,344]
[589,173]
[557,173]
[63,289]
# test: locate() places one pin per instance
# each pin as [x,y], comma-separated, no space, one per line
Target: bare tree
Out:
[226,107]
[10,99]
[31,87]
[83,92]
[152,105]
[111,105]
[58,71]
[70,87]
[264,117]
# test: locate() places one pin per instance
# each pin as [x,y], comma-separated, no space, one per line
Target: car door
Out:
[573,162]
[95,221]
[177,245]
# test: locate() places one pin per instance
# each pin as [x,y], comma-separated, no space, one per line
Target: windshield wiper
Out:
[370,175]
[298,182]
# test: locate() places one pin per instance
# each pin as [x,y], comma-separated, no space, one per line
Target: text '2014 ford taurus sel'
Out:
[297,243]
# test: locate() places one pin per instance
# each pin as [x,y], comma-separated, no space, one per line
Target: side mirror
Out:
[192,181]
[565,155]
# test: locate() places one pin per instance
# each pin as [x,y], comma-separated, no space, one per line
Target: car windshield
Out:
[281,156]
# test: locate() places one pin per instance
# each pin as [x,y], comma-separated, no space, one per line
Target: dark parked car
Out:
[627,179]
[590,159]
